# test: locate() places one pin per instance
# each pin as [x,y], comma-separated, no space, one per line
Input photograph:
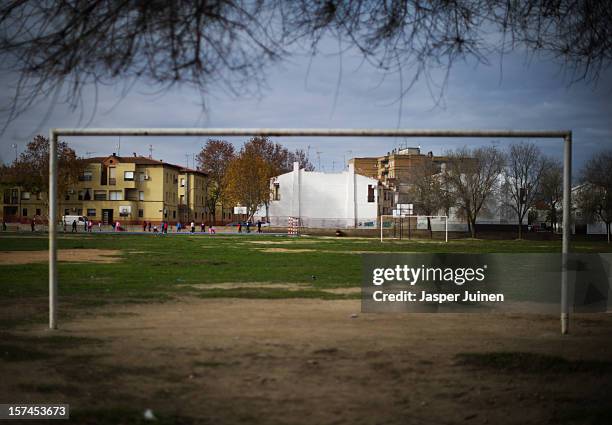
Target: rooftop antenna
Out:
[333,166]
[119,147]
[187,155]
[89,153]
[319,160]
[150,151]
[14,146]
[350,154]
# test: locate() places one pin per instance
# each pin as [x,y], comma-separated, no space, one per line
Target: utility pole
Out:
[319,160]
[14,146]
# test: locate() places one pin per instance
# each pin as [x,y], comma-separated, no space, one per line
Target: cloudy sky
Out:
[336,91]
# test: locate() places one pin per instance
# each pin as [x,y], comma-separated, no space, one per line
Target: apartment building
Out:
[129,189]
[192,190]
[394,172]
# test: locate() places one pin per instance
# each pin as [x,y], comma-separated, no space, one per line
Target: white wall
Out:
[324,199]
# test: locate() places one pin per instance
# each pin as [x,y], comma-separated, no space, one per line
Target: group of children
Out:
[163,227]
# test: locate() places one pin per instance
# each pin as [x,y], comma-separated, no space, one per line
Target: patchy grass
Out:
[156,269]
[531,363]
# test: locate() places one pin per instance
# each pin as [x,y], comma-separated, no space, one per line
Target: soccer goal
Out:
[408,226]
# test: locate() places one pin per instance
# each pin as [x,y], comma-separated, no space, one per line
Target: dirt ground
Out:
[304,361]
[68,255]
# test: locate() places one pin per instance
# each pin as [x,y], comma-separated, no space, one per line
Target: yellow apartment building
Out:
[192,191]
[128,189]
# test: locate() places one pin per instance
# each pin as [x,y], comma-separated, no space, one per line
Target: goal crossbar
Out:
[55,133]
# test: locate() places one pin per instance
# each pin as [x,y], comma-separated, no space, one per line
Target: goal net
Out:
[394,227]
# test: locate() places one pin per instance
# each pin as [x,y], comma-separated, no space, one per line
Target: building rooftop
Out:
[138,160]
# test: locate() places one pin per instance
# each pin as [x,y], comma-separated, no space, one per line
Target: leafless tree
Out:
[523,174]
[551,190]
[428,190]
[473,177]
[595,196]
[58,47]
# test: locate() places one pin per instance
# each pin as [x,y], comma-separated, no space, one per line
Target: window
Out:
[182,201]
[141,213]
[128,176]
[91,212]
[24,212]
[86,176]
[37,211]
[182,182]
[116,195]
[112,179]
[38,196]
[80,211]
[99,195]
[67,196]
[25,195]
[141,196]
[173,214]
[370,193]
[66,211]
[276,192]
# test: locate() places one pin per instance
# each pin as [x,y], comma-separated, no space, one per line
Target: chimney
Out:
[135,154]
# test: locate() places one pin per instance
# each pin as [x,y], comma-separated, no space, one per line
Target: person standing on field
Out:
[74,227]
[202,227]
[258,226]
[239,227]
[144,226]
[192,227]
[33,224]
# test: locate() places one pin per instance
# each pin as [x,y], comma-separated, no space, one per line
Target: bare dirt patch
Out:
[66,255]
[258,285]
[288,250]
[286,242]
[305,361]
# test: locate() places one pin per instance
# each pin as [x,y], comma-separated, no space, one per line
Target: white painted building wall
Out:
[324,200]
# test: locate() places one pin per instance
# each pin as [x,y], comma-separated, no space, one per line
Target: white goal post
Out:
[56,133]
[394,219]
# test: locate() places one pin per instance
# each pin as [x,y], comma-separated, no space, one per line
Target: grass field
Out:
[267,329]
